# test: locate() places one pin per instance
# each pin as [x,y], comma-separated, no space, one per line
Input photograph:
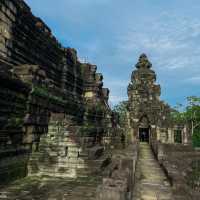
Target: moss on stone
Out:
[44,92]
[15,122]
[13,172]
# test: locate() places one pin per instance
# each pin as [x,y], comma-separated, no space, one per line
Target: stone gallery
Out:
[60,139]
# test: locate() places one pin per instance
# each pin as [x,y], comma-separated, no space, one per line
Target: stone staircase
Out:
[83,187]
[62,153]
[61,168]
[50,186]
[57,153]
[151,183]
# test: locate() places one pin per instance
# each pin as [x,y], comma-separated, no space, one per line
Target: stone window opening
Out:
[178,136]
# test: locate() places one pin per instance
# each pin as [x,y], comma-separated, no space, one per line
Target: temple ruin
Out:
[60,139]
[149,122]
[53,107]
[149,116]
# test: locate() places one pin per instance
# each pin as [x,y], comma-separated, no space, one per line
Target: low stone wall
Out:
[118,178]
[181,164]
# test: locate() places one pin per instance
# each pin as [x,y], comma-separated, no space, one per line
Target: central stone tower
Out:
[146,112]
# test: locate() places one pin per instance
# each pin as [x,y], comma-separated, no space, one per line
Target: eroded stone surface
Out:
[149,116]
[118,177]
[51,188]
[42,85]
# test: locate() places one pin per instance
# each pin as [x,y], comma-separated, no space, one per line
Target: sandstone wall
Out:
[13,155]
[40,80]
[181,165]
[119,175]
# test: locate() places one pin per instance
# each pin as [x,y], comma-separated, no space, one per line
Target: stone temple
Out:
[149,116]
[60,139]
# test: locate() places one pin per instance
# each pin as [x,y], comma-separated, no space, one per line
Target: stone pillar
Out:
[173,141]
[153,133]
[170,139]
[187,136]
[158,133]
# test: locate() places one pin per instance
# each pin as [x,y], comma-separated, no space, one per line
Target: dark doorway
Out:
[144,134]
[178,136]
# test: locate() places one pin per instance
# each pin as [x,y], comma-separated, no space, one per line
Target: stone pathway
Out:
[151,182]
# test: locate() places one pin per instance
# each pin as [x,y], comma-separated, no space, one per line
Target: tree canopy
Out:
[121,111]
[190,113]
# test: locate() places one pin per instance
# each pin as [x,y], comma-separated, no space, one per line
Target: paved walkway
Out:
[151,182]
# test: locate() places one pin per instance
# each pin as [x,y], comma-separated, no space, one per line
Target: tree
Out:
[193,112]
[189,114]
[121,111]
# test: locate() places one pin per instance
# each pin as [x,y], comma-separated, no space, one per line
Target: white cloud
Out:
[172,40]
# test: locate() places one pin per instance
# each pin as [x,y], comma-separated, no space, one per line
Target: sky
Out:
[113,33]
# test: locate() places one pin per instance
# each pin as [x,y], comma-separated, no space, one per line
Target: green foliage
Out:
[178,117]
[194,176]
[193,101]
[99,107]
[121,111]
[193,113]
[43,92]
[15,122]
[14,171]
[196,139]
[40,91]
[189,114]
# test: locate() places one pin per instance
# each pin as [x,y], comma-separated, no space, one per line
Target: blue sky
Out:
[113,33]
